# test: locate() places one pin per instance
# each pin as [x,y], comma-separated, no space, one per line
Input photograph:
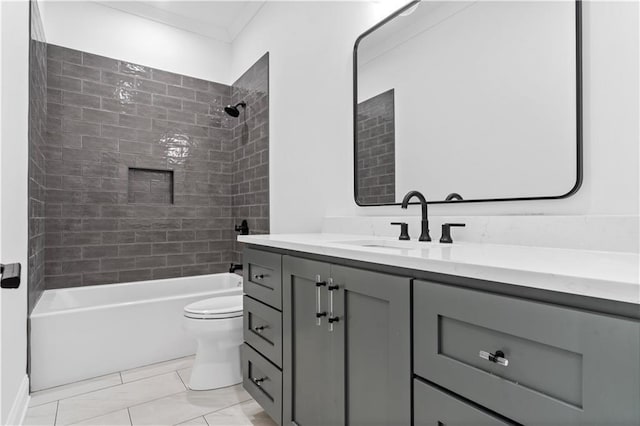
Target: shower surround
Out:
[142,170]
[37,133]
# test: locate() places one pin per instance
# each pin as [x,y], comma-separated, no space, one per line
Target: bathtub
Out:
[84,332]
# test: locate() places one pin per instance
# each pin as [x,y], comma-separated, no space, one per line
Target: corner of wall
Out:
[20,404]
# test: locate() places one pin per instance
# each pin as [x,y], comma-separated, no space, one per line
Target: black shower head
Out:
[233,110]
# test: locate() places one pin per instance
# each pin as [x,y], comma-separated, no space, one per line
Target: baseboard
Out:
[20,404]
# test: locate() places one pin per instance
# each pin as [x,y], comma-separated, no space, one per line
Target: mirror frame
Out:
[579,123]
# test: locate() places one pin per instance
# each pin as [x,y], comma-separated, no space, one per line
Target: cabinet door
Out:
[435,408]
[374,317]
[312,379]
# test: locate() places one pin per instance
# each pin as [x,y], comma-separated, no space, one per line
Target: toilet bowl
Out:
[216,324]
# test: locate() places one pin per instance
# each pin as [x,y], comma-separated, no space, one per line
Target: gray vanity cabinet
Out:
[331,345]
[312,374]
[351,364]
[558,365]
[434,408]
[374,319]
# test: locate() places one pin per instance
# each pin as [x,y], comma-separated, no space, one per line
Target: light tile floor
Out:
[153,395]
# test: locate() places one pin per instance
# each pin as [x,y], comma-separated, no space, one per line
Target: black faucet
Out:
[235,267]
[424,235]
[243,228]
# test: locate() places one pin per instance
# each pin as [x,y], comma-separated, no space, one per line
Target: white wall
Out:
[309,45]
[101,30]
[311,117]
[14,87]
[611,132]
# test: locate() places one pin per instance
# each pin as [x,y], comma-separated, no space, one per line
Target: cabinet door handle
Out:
[332,287]
[258,381]
[319,313]
[496,358]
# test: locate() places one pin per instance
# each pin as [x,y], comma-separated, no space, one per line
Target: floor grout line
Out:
[194,418]
[183,383]
[224,408]
[118,384]
[127,408]
[122,382]
[186,390]
[93,417]
[55,418]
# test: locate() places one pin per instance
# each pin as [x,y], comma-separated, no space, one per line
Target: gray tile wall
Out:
[376,150]
[251,150]
[37,131]
[106,116]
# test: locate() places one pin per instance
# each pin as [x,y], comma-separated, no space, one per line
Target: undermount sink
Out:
[387,244]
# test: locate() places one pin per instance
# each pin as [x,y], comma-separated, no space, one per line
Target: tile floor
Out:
[151,395]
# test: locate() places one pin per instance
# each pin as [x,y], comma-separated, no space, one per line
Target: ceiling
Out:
[221,20]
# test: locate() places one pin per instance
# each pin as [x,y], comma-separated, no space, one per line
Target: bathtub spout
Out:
[235,267]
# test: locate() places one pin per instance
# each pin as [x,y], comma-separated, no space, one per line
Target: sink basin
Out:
[387,244]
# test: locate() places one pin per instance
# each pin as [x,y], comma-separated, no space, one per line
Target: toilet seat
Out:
[222,307]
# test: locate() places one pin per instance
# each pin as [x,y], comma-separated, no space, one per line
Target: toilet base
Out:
[215,366]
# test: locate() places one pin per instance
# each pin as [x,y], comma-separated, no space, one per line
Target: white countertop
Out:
[606,275]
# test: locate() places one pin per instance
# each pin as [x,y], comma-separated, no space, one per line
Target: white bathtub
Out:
[84,332]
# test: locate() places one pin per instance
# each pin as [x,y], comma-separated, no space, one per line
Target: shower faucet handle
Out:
[243,228]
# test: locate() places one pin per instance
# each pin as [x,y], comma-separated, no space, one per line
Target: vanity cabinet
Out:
[262,330]
[558,365]
[434,407]
[346,345]
[362,344]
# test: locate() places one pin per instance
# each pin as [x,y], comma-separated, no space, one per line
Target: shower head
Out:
[233,110]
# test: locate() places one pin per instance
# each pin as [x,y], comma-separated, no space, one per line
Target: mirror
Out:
[482,99]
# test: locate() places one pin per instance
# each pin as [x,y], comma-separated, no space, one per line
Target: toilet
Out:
[216,324]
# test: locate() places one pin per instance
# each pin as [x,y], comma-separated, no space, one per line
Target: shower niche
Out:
[150,186]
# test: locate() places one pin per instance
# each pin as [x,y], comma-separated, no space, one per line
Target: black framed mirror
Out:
[469,102]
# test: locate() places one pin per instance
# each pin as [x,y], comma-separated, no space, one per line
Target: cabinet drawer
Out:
[433,407]
[564,365]
[262,273]
[263,329]
[263,381]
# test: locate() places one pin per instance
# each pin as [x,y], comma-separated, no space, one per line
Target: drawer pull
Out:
[260,329]
[497,358]
[258,277]
[258,381]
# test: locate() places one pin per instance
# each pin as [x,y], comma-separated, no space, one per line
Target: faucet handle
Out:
[446,232]
[404,230]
